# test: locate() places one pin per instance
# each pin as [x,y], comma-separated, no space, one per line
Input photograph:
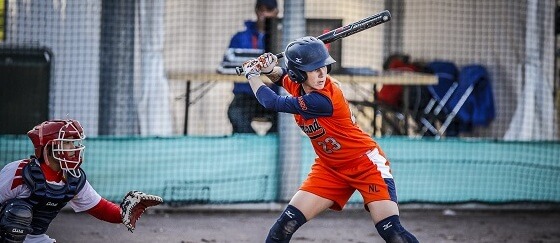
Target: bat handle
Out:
[239,70]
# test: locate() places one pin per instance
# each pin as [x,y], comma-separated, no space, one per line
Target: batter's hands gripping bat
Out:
[347,30]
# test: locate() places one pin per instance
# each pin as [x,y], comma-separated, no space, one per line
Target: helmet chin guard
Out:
[65,138]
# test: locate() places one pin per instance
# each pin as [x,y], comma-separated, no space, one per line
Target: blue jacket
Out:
[478,110]
[250,38]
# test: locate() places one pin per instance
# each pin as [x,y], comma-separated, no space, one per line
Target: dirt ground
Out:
[353,225]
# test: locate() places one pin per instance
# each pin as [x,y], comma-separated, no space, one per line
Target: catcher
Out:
[33,191]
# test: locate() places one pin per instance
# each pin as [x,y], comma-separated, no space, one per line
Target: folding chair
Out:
[469,100]
[447,73]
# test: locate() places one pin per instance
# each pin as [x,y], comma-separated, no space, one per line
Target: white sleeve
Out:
[86,199]
[7,176]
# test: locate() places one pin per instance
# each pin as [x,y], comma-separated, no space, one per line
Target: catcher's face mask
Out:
[65,138]
[69,153]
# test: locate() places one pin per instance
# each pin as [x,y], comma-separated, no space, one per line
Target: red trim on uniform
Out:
[16,182]
[106,211]
[22,164]
[18,179]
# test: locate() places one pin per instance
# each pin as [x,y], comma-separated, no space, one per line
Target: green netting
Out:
[457,170]
[246,168]
[181,169]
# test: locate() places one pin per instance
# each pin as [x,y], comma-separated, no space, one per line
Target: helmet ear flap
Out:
[295,74]
[299,76]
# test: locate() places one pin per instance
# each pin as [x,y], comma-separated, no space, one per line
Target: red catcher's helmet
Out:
[58,134]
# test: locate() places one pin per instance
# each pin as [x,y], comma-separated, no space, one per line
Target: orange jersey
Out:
[336,139]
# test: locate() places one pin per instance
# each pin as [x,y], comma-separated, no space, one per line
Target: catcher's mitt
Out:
[133,206]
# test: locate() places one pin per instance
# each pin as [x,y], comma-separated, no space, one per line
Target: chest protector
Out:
[48,199]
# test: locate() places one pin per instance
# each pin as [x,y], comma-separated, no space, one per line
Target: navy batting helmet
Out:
[305,55]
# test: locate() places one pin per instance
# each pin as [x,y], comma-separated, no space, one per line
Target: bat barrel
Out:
[344,31]
[355,27]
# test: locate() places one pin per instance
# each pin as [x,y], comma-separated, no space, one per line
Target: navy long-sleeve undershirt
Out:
[315,104]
